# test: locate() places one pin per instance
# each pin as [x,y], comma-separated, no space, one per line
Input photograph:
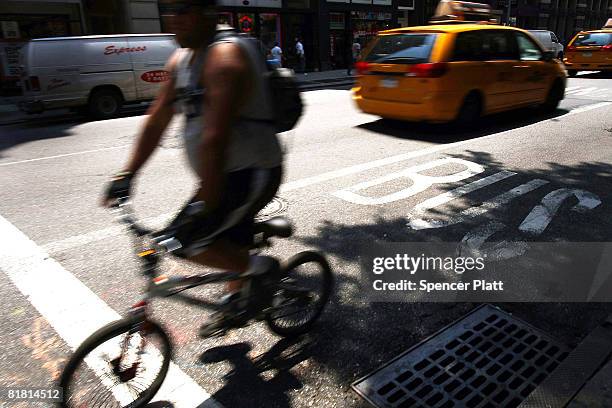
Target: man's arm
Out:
[226,77]
[159,115]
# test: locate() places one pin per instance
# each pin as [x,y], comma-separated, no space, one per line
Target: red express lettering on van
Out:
[111,49]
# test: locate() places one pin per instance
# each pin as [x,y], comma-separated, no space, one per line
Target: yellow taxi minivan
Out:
[456,71]
[590,51]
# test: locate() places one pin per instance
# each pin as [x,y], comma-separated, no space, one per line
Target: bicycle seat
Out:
[275,227]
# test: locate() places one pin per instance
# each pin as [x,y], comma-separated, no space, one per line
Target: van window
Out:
[528,50]
[485,45]
[553,37]
[593,39]
[410,48]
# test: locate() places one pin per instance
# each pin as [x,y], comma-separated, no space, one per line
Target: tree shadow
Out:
[448,133]
[358,336]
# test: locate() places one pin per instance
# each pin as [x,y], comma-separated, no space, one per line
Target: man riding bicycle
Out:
[231,143]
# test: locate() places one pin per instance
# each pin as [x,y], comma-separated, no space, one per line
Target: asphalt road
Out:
[52,173]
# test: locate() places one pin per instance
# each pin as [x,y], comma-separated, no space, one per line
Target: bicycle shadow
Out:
[264,380]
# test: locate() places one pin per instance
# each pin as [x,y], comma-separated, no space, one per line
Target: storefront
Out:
[21,21]
[274,21]
[352,21]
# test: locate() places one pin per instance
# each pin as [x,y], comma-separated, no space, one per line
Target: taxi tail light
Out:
[607,48]
[429,70]
[363,68]
[34,83]
[571,48]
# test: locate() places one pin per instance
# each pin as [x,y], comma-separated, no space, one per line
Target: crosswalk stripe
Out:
[74,310]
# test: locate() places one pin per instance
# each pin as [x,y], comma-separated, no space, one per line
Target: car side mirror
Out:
[548,56]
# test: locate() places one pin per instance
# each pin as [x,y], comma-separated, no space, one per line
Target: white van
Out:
[100,72]
[550,42]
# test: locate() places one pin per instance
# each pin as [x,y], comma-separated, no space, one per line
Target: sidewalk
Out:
[324,78]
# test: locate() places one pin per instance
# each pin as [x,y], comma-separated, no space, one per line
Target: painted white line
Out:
[72,309]
[64,155]
[540,217]
[79,240]
[421,209]
[97,235]
[472,212]
[584,91]
[305,182]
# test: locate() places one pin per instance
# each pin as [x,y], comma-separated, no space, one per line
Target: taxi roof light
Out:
[608,24]
[450,11]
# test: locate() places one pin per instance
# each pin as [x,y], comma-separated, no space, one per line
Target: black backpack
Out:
[282,83]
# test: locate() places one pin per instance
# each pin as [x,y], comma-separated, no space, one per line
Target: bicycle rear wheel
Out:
[123,364]
[301,294]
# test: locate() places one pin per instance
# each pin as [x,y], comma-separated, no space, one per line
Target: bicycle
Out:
[114,356]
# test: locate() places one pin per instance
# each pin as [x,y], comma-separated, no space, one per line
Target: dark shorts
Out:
[246,192]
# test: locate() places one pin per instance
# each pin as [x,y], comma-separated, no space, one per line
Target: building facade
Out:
[326,28]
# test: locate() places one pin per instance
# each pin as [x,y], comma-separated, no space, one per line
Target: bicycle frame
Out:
[161,285]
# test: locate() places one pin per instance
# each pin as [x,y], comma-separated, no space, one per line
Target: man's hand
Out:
[118,187]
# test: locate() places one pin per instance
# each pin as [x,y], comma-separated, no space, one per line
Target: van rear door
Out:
[149,62]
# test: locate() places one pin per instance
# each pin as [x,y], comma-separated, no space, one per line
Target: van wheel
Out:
[554,97]
[470,111]
[572,72]
[105,103]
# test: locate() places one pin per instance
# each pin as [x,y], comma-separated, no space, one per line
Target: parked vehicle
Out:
[99,73]
[549,41]
[456,70]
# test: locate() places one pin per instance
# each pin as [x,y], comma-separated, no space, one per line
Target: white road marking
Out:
[473,243]
[583,91]
[45,283]
[84,239]
[421,209]
[97,235]
[65,155]
[420,182]
[472,212]
[540,217]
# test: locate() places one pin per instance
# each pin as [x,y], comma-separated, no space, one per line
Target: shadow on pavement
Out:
[245,384]
[448,133]
[356,336]
[48,128]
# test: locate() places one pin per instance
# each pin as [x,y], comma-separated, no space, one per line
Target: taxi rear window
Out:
[593,39]
[406,48]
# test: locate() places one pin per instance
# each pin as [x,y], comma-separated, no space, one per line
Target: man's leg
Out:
[227,257]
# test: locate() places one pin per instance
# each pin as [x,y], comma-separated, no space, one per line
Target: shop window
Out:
[336,21]
[297,4]
[226,18]
[405,4]
[269,24]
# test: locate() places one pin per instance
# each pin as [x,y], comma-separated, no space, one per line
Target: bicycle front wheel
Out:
[301,294]
[123,364]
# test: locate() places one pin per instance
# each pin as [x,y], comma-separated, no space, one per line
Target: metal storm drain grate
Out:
[486,359]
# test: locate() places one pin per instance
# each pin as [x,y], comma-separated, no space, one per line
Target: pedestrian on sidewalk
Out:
[355,54]
[301,58]
[277,56]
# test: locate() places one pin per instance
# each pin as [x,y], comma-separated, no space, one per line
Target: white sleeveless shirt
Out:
[253,141]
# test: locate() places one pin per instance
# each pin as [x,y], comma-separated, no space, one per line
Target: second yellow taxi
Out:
[456,71]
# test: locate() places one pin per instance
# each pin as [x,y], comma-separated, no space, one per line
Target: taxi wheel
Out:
[572,72]
[554,97]
[470,110]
